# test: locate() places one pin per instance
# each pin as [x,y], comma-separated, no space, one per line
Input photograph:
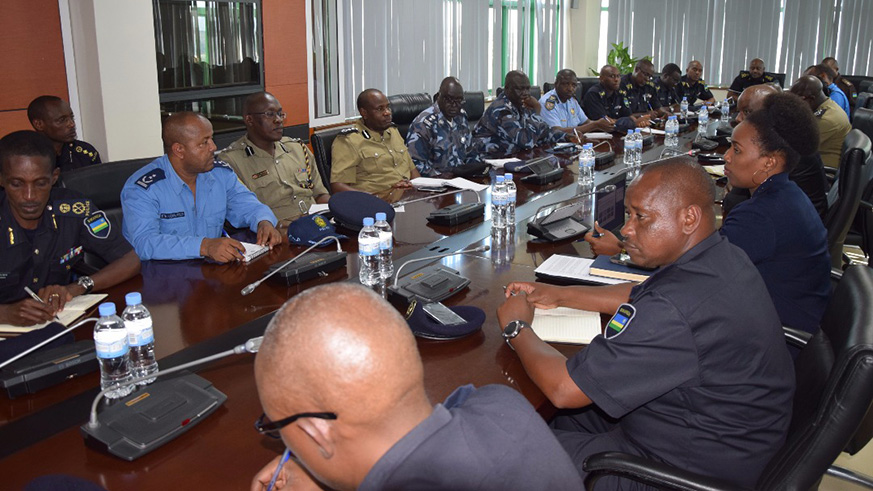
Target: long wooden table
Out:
[198,310]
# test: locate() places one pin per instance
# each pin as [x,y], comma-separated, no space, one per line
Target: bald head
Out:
[752,99]
[756,68]
[517,87]
[255,102]
[809,88]
[682,182]
[180,128]
[346,347]
[450,97]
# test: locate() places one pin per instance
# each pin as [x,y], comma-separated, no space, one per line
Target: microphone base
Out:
[308,266]
[48,368]
[457,214]
[152,416]
[431,284]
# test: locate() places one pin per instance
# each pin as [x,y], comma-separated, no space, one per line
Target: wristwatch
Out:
[87,283]
[512,329]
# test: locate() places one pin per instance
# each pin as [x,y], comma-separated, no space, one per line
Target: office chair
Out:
[851,181]
[834,373]
[780,77]
[405,107]
[474,104]
[864,99]
[322,141]
[585,83]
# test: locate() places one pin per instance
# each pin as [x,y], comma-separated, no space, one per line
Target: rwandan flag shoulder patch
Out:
[98,225]
[620,320]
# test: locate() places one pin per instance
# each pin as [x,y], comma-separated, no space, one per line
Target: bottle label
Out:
[139,332]
[386,241]
[510,198]
[111,343]
[368,246]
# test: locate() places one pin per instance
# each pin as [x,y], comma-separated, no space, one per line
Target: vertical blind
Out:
[725,35]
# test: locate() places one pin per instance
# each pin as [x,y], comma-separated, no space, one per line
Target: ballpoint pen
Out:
[285,456]
[36,297]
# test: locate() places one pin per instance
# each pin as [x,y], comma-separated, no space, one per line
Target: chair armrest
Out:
[836,274]
[830,175]
[796,337]
[649,472]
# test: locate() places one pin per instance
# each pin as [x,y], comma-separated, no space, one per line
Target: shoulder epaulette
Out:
[146,180]
[820,112]
[745,74]
[348,131]
[220,164]
[76,207]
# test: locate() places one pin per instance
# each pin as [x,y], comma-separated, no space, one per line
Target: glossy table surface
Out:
[198,310]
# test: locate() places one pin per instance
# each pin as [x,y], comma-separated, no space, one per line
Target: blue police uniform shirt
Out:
[561,114]
[163,221]
[782,233]
[505,129]
[436,144]
[697,375]
[840,98]
[489,438]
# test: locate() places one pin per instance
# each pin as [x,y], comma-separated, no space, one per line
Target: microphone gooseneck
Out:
[47,341]
[437,195]
[250,346]
[481,248]
[251,286]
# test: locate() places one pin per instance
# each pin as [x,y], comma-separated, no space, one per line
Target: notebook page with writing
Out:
[74,309]
[566,325]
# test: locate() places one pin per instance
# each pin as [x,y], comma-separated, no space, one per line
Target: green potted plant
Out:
[619,56]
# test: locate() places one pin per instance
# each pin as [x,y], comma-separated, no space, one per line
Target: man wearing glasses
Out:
[604,100]
[512,122]
[439,138]
[343,388]
[562,111]
[638,91]
[281,171]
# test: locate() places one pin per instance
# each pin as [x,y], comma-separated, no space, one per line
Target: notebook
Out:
[602,266]
[253,251]
[566,325]
[572,270]
[74,309]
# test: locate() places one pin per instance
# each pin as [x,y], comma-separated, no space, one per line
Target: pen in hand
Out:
[36,297]
[285,457]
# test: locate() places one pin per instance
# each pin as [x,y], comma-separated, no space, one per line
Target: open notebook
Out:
[74,309]
[566,325]
[254,251]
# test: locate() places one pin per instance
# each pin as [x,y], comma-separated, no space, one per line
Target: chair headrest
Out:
[405,107]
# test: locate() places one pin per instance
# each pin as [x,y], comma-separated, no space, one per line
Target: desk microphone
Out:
[251,287]
[47,341]
[416,200]
[560,222]
[157,413]
[433,283]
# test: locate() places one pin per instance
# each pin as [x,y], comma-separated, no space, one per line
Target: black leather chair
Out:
[851,180]
[474,104]
[585,83]
[405,107]
[321,144]
[780,77]
[864,99]
[865,86]
[834,392]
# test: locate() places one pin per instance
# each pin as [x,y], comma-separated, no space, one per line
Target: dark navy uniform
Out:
[45,256]
[744,80]
[77,154]
[693,90]
[638,98]
[489,438]
[694,371]
[505,129]
[667,96]
[597,104]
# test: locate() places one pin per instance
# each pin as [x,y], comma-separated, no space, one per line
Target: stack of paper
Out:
[500,163]
[565,325]
[571,268]
[74,309]
[598,135]
[458,182]
[253,251]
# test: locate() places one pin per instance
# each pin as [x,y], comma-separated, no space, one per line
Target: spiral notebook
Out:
[253,251]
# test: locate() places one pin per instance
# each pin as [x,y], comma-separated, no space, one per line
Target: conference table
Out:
[198,310]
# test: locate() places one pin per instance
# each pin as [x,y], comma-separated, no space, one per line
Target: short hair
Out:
[364,95]
[26,143]
[671,68]
[829,59]
[565,73]
[37,107]
[644,62]
[785,125]
[822,68]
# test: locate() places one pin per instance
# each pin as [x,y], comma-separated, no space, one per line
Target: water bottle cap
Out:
[684,98]
[106,308]
[507,176]
[630,132]
[588,146]
[133,298]
[368,222]
[381,217]
[672,117]
[500,178]
[637,130]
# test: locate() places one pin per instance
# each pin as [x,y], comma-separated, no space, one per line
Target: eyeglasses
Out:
[271,114]
[453,101]
[271,428]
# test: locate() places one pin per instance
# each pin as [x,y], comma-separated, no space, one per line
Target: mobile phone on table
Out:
[442,314]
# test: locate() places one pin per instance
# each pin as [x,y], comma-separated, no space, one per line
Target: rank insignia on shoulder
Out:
[150,178]
[249,151]
[220,164]
[348,131]
[602,93]
[620,320]
[98,225]
[366,134]
[820,112]
[73,207]
[745,74]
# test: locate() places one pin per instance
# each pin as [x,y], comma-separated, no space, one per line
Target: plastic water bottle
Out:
[498,203]
[368,254]
[725,111]
[511,195]
[386,246]
[110,340]
[586,167]
[638,149]
[702,121]
[629,149]
[140,337]
[671,132]
[683,108]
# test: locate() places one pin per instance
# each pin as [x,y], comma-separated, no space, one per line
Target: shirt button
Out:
[36,251]
[36,280]
[375,154]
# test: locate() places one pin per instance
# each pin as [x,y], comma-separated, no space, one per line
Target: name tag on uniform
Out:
[167,216]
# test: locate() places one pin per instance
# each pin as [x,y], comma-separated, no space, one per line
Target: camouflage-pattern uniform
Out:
[505,129]
[436,144]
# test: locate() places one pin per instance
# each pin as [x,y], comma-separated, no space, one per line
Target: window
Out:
[209,56]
